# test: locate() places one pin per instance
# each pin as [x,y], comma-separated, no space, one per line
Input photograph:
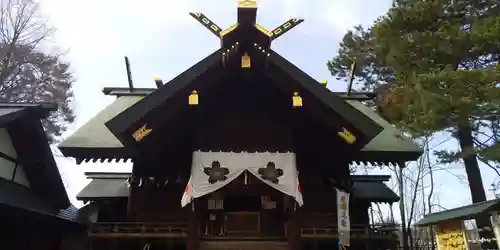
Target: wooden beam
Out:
[285,27]
[8,157]
[207,23]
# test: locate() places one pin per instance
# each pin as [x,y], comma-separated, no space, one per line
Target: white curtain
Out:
[213,170]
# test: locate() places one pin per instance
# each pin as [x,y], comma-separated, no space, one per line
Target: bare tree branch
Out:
[28,72]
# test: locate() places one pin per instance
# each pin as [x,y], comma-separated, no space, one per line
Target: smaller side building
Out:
[34,207]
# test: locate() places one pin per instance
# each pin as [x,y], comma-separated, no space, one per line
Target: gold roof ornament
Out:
[245,61]
[247,4]
[247,18]
[193,98]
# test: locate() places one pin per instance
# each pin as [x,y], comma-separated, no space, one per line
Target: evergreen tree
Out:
[435,66]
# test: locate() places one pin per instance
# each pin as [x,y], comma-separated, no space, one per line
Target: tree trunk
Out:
[478,194]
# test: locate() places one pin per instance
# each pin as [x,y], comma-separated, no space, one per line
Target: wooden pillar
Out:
[294,235]
[192,228]
[132,190]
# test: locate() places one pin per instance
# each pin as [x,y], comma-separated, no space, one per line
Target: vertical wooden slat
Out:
[294,241]
[192,230]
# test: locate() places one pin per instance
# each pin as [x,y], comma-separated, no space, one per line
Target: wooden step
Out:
[243,245]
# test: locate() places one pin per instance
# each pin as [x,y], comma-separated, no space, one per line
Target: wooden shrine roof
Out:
[22,122]
[373,188]
[109,135]
[94,142]
[461,213]
[389,146]
[17,197]
[243,41]
[210,70]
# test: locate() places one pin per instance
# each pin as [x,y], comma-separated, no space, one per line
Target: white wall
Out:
[7,167]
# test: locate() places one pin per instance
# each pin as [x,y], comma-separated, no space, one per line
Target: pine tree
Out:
[435,66]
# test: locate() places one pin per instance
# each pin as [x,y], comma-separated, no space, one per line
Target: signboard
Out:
[495,222]
[450,235]
[344,223]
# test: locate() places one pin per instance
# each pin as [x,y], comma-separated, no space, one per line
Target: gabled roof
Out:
[118,124]
[17,196]
[12,111]
[94,141]
[461,213]
[373,188]
[242,40]
[389,146]
[95,138]
[23,124]
[182,85]
[104,188]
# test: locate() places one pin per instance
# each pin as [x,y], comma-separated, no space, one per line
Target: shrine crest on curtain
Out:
[211,171]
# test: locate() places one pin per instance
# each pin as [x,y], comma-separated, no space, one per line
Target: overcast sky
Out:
[161,39]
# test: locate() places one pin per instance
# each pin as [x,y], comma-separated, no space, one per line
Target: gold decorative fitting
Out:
[263,30]
[347,136]
[245,61]
[157,78]
[324,82]
[296,100]
[247,4]
[193,98]
[142,132]
[228,30]
[287,26]
[205,21]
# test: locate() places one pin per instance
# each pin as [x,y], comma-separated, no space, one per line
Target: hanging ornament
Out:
[193,98]
[296,100]
[245,61]
[224,60]
[158,82]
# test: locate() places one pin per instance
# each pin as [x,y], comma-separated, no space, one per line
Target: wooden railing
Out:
[179,229]
[357,231]
[138,229]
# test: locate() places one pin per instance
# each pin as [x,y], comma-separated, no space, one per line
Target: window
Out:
[214,204]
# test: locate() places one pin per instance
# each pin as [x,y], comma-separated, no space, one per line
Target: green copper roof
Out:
[461,213]
[94,140]
[390,139]
[389,146]
[94,133]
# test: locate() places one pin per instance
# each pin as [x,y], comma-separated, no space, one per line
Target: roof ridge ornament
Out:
[247,15]
[247,4]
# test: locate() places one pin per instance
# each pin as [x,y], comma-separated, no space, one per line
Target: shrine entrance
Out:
[245,208]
